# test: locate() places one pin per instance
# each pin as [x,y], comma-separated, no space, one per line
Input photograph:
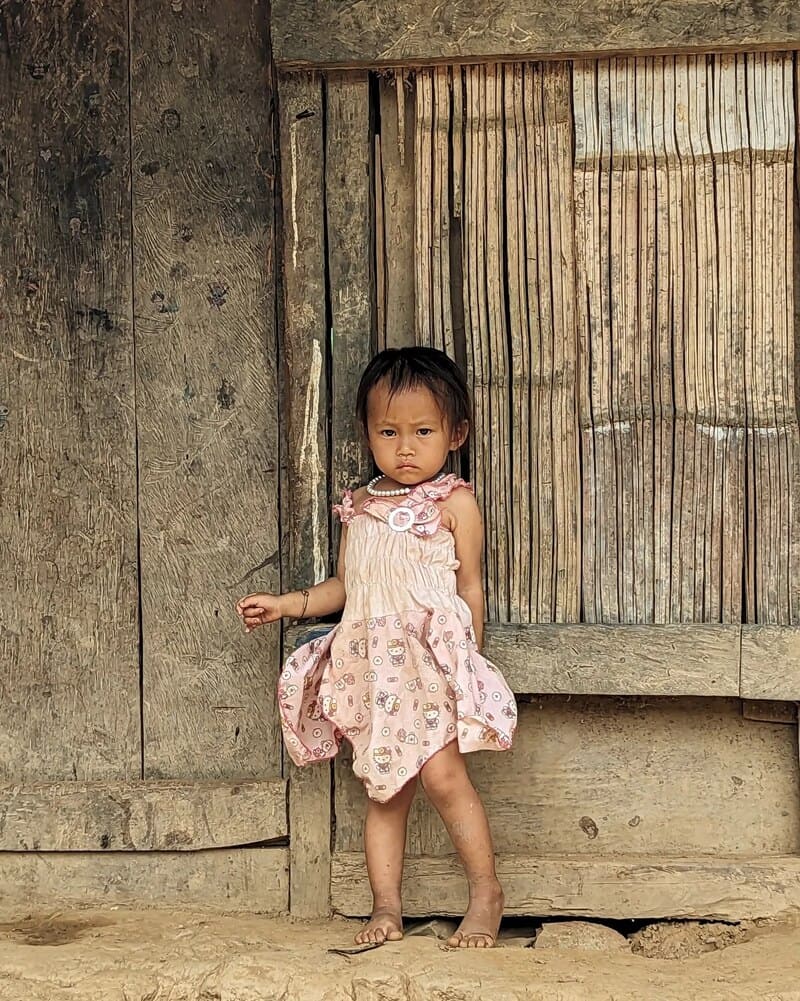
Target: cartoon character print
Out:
[397,652]
[323,749]
[389,702]
[407,738]
[358,648]
[430,710]
[329,705]
[314,710]
[344,681]
[382,756]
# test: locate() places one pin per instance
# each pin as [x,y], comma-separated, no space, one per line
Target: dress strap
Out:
[345,510]
[440,489]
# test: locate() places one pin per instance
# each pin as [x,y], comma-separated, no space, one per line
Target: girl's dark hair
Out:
[409,368]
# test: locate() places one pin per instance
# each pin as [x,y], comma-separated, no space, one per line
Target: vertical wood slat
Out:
[68,578]
[773,436]
[206,388]
[423,205]
[396,180]
[564,604]
[349,249]
[305,404]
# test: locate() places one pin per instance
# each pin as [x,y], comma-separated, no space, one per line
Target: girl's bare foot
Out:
[385,925]
[479,928]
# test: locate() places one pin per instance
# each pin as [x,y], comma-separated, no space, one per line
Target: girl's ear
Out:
[459,437]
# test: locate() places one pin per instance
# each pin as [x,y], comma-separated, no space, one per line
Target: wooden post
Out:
[305,507]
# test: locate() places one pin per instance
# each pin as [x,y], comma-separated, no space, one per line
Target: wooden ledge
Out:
[713,889]
[329,34]
[141,816]
[605,660]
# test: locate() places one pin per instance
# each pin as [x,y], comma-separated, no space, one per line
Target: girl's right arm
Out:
[322,599]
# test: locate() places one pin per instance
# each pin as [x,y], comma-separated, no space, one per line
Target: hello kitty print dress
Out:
[400,676]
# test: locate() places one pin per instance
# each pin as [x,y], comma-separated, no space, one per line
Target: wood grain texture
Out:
[624,777]
[685,352]
[140,816]
[691,889]
[206,385]
[348,196]
[304,398]
[771,662]
[617,660]
[372,33]
[304,506]
[68,586]
[310,819]
[253,880]
[395,188]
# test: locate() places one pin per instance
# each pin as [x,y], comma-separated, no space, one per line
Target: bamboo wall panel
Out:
[627,325]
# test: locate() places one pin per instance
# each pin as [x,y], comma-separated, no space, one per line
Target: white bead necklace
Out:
[399,492]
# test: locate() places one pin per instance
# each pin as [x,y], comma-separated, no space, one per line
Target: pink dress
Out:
[400,676]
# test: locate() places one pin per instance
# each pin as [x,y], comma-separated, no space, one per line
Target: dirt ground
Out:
[177,956]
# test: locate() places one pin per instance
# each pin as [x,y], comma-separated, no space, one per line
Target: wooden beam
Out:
[140,816]
[720,889]
[408,32]
[771,662]
[605,660]
[617,660]
[243,880]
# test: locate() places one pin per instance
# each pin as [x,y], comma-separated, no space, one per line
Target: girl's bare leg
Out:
[385,842]
[448,786]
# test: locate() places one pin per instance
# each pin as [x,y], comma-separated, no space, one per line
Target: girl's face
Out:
[408,436]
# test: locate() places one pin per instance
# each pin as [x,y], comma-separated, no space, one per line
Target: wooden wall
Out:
[552,225]
[608,246]
[139,456]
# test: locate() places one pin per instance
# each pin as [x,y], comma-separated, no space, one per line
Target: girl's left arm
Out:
[468,535]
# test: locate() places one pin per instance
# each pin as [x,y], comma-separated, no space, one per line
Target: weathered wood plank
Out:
[691,888]
[349,227]
[304,509]
[398,138]
[206,385]
[617,660]
[68,576]
[372,33]
[589,659]
[310,819]
[304,396]
[140,816]
[771,662]
[588,776]
[252,880]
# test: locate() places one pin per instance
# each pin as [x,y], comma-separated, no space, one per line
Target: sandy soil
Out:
[175,956]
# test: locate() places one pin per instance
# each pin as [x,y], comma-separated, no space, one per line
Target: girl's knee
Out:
[443,773]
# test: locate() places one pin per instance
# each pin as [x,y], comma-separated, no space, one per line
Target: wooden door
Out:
[139,456]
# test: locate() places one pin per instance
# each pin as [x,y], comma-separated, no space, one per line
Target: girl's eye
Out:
[425,432]
[387,433]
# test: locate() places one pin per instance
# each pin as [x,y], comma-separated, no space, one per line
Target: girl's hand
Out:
[259,609]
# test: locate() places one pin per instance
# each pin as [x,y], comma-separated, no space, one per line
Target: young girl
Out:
[401,676]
